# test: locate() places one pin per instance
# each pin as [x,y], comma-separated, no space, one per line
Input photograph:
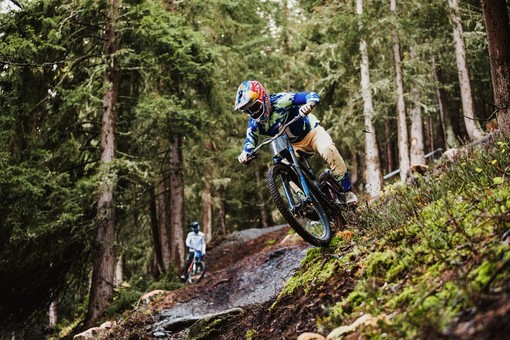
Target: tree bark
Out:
[373,174]
[101,290]
[264,223]
[53,314]
[388,148]
[472,126]
[178,251]
[448,134]
[417,144]
[207,207]
[222,225]
[207,194]
[497,25]
[156,242]
[163,214]
[403,143]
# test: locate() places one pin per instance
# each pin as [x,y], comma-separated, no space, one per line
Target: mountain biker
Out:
[195,241]
[269,112]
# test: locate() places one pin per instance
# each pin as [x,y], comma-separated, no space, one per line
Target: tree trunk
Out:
[448,134]
[207,201]
[495,13]
[264,223]
[472,125]
[207,206]
[373,175]
[417,144]
[222,225]
[388,148]
[403,143]
[119,271]
[178,251]
[163,210]
[53,314]
[156,242]
[101,290]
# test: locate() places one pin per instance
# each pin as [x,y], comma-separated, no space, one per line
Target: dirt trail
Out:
[249,267]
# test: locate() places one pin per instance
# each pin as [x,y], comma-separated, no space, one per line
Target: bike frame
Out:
[196,257]
[297,166]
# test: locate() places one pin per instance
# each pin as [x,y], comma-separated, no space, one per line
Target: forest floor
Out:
[246,270]
[245,273]
[425,261]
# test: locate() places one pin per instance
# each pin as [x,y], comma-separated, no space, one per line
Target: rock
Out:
[291,239]
[414,171]
[451,154]
[107,325]
[91,333]
[310,336]
[95,332]
[148,297]
[365,320]
[207,326]
[159,334]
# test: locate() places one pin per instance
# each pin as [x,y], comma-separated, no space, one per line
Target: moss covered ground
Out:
[426,257]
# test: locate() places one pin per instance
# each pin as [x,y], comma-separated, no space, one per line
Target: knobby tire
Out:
[281,173]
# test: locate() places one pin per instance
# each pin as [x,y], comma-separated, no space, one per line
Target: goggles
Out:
[255,109]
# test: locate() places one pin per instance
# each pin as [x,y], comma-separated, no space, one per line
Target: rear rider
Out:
[195,241]
[269,112]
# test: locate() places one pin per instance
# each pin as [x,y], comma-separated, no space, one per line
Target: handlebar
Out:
[252,155]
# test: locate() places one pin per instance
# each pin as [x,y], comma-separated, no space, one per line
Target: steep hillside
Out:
[427,260]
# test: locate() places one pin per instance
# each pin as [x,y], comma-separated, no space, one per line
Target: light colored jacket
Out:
[196,241]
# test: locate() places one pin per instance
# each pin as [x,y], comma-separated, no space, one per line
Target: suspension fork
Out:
[296,166]
[299,171]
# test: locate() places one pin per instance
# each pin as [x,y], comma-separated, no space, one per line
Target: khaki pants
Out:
[319,141]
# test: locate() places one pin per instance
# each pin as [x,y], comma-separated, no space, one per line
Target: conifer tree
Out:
[498,34]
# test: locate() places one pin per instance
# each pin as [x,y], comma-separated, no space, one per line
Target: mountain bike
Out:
[310,205]
[196,268]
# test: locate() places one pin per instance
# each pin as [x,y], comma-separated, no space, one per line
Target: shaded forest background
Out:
[116,126]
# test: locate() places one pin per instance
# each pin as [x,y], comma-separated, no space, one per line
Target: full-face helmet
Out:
[253,99]
[195,226]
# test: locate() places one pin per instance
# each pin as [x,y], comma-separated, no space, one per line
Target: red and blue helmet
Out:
[253,99]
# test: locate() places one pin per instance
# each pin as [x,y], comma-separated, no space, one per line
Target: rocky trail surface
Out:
[247,269]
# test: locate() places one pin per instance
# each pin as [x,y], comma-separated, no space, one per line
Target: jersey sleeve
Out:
[252,136]
[301,98]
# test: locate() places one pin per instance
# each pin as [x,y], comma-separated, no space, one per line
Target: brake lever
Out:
[252,156]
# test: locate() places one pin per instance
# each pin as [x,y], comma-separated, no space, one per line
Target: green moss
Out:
[401,300]
[250,334]
[378,263]
[429,250]
[482,274]
[314,274]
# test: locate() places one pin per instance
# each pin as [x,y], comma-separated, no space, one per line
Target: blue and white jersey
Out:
[284,106]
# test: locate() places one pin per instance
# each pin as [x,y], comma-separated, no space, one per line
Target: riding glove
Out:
[243,158]
[306,109]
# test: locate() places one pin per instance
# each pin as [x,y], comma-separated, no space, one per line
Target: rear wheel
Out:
[308,219]
[331,189]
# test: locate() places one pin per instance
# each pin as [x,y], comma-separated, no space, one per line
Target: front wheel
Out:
[197,272]
[308,219]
